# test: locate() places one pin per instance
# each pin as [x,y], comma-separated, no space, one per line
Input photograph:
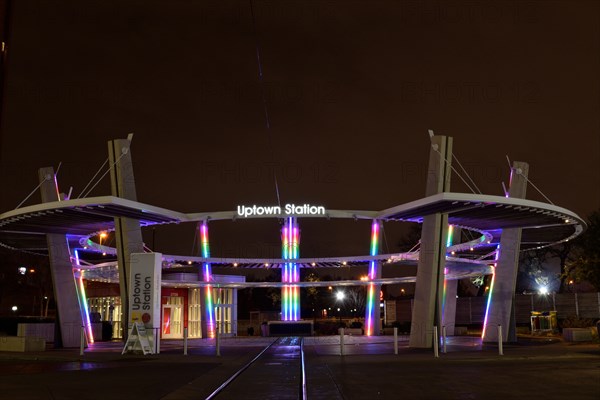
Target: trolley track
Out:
[277,372]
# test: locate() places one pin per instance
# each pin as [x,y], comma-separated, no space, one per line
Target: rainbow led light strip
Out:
[450,236]
[372,275]
[290,243]
[444,290]
[83,302]
[489,299]
[449,240]
[207,275]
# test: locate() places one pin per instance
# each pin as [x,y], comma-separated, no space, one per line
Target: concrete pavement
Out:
[534,367]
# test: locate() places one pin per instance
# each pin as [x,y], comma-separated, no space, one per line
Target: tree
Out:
[357,298]
[533,272]
[564,252]
[412,237]
[312,293]
[274,294]
[586,265]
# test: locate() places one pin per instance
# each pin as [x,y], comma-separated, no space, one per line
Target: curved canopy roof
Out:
[543,224]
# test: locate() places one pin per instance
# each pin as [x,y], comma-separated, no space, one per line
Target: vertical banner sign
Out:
[144,290]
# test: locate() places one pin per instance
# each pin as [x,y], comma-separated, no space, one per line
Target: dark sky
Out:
[351,89]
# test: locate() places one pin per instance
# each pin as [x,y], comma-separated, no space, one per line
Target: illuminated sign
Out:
[288,209]
[144,290]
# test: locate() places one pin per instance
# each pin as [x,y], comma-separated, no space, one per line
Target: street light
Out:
[339,295]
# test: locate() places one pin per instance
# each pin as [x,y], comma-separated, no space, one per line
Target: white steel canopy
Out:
[543,224]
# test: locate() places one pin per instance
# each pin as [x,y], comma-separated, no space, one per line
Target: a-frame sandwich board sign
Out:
[138,340]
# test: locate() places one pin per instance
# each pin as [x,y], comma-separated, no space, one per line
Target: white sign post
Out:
[144,297]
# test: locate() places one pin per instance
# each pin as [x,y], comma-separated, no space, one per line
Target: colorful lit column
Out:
[489,294]
[83,305]
[208,322]
[372,312]
[290,248]
[450,287]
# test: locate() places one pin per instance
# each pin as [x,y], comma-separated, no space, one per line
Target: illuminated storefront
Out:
[180,308]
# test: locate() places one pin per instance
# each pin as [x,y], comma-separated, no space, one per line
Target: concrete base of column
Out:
[430,279]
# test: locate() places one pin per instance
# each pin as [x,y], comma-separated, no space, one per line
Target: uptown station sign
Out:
[289,209]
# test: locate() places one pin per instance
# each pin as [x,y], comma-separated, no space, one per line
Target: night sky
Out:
[351,88]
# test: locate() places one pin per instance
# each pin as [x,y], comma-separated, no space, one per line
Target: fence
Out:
[471,310]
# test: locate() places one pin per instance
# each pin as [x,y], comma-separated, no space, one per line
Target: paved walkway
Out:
[532,368]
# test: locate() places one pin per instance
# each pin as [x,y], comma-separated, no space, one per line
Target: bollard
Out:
[444,339]
[500,349]
[218,344]
[82,340]
[395,340]
[436,352]
[341,341]
[157,340]
[185,337]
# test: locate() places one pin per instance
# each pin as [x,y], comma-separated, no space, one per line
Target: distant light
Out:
[570,282]
[235,264]
[453,252]
[266,264]
[566,221]
[103,253]
[14,308]
[313,264]
[22,270]
[32,270]
[543,290]
[364,278]
[344,263]
[471,249]
[189,263]
[340,295]
[103,235]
